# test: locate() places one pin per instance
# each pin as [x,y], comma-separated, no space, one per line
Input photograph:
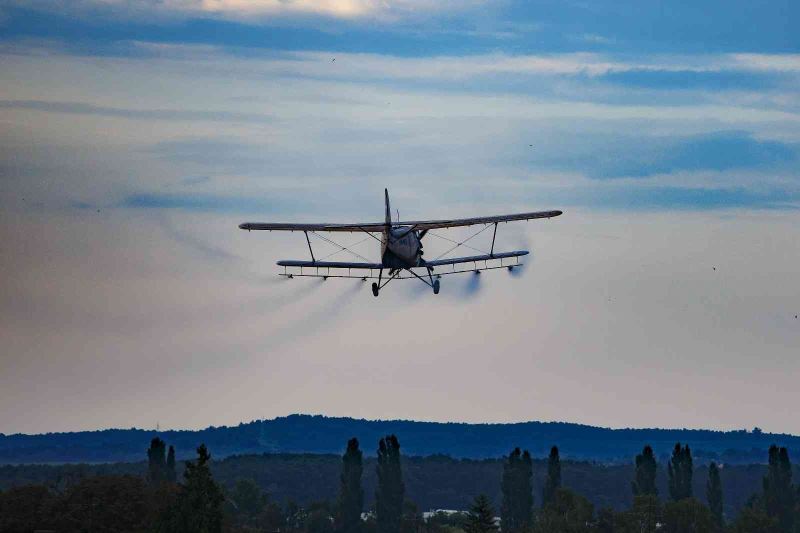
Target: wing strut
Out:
[491,252]
[309,247]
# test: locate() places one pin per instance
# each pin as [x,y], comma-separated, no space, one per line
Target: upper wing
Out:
[328,264]
[453,222]
[370,227]
[377,227]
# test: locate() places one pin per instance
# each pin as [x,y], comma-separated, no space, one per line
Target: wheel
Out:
[375,289]
[436,287]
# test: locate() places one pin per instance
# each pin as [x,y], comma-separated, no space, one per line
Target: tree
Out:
[605,520]
[480,518]
[412,519]
[680,473]
[27,508]
[643,517]
[390,492]
[778,491]
[645,482]
[753,519]
[105,503]
[714,496]
[517,509]
[156,461]
[198,508]
[553,480]
[248,500]
[687,515]
[171,475]
[566,512]
[318,519]
[351,494]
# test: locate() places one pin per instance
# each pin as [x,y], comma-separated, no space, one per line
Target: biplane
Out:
[401,249]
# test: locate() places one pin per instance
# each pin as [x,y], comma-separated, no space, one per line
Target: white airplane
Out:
[401,248]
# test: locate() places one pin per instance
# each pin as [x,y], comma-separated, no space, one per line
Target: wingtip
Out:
[244,225]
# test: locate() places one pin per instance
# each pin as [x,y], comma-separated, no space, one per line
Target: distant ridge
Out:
[320,434]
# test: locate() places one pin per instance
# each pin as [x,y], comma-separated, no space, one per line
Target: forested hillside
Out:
[434,482]
[319,434]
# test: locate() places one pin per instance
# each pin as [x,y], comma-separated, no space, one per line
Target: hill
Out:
[321,435]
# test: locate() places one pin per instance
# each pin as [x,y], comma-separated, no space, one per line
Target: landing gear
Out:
[375,289]
[436,286]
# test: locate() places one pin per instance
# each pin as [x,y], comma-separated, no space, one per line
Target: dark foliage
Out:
[714,496]
[643,517]
[390,493]
[171,474]
[646,468]
[516,512]
[27,508]
[779,497]
[198,508]
[351,493]
[553,480]
[680,471]
[753,519]
[480,518]
[687,515]
[157,461]
[566,512]
[435,482]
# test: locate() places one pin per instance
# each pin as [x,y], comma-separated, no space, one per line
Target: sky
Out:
[136,136]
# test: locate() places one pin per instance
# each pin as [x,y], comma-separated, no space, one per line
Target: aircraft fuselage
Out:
[401,247]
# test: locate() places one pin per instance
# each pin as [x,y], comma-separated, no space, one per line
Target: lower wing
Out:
[376,266]
[475,258]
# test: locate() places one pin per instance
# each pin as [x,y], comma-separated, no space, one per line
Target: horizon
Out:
[389,420]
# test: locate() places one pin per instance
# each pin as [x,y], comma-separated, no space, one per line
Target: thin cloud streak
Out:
[78,108]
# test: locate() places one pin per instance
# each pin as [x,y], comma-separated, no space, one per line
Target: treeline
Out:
[200,503]
[320,435]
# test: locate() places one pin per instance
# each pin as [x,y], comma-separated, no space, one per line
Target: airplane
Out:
[401,248]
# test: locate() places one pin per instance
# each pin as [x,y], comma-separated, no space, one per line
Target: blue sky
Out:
[136,135]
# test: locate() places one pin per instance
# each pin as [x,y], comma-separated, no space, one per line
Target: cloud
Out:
[200,202]
[655,198]
[690,79]
[639,157]
[246,10]
[79,108]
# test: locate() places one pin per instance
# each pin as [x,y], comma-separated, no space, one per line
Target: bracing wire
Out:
[342,248]
[465,240]
[456,242]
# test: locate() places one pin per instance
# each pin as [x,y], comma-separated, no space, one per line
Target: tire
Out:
[436,286]
[375,289]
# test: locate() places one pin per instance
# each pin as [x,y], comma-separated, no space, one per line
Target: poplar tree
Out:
[390,491]
[646,467]
[553,480]
[714,496]
[680,473]
[480,518]
[351,494]
[778,490]
[171,476]
[517,509]
[156,461]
